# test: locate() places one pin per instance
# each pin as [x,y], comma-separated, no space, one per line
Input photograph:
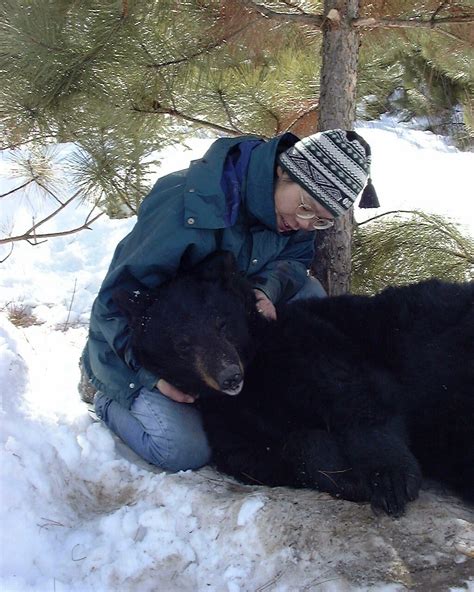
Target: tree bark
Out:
[332,264]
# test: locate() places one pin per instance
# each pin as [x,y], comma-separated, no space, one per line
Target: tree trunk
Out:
[332,264]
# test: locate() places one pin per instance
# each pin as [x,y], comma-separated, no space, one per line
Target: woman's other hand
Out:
[265,306]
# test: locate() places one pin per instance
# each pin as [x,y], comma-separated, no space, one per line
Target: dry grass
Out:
[21,315]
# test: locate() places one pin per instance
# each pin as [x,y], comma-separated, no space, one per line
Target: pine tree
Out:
[124,78]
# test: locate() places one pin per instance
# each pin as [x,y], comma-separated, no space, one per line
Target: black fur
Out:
[356,396]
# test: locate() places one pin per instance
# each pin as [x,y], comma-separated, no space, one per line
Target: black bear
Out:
[356,396]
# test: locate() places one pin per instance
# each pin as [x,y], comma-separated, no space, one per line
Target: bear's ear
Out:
[220,265]
[133,304]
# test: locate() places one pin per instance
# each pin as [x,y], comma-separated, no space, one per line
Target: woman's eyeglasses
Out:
[305,212]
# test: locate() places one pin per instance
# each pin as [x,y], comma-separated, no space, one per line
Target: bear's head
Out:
[197,330]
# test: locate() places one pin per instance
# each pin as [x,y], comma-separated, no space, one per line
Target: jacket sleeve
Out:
[144,259]
[284,276]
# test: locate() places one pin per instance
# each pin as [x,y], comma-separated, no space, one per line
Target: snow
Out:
[419,170]
[80,512]
[249,508]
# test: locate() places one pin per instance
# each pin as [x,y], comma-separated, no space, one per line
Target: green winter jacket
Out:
[184,216]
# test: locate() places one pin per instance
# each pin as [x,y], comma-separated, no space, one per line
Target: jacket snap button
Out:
[191,190]
[254,261]
[191,220]
[132,385]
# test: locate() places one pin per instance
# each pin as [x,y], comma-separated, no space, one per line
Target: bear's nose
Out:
[231,380]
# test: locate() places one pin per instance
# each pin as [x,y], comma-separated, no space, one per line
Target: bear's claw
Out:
[392,489]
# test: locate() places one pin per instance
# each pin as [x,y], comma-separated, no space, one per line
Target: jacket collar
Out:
[204,199]
[259,188]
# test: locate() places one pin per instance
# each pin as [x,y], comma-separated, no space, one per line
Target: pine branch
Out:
[304,18]
[27,141]
[291,5]
[386,214]
[317,21]
[44,188]
[439,9]
[18,188]
[206,49]
[11,251]
[460,255]
[32,237]
[175,113]
[386,23]
[451,35]
[220,94]
[124,9]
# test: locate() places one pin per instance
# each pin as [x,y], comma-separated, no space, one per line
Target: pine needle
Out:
[402,248]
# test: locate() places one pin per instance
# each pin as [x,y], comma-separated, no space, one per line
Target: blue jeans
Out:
[161,431]
[167,434]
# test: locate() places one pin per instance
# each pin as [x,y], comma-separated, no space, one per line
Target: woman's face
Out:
[288,196]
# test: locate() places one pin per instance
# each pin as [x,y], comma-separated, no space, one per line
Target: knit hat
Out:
[333,167]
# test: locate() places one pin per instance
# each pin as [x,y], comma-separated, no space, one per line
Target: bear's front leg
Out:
[256,464]
[245,446]
[380,454]
[320,464]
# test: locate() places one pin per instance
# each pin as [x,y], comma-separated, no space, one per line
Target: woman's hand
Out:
[265,306]
[170,391]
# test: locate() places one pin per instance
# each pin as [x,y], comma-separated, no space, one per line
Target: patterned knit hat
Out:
[333,167]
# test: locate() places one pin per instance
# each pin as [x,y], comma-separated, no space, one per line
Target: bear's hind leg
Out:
[443,442]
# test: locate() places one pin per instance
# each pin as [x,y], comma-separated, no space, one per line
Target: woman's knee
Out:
[179,455]
[173,437]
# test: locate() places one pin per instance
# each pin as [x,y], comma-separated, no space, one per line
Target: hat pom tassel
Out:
[369,197]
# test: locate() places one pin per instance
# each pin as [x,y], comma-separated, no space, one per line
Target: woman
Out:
[261,200]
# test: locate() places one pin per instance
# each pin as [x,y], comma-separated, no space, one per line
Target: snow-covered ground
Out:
[79,512]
